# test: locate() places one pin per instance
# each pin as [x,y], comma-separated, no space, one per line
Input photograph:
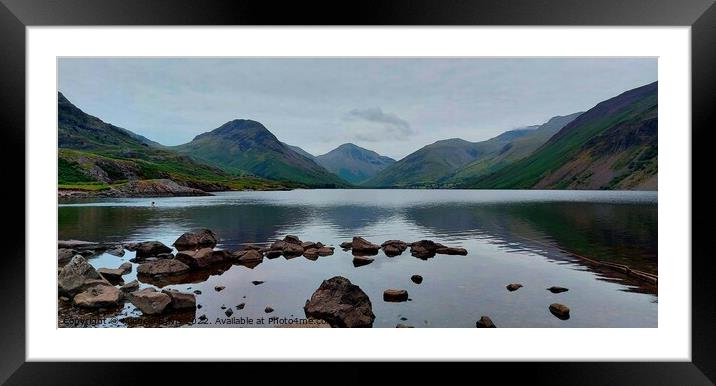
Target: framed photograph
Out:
[415,182]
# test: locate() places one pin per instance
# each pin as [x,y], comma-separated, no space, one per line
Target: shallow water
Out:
[535,238]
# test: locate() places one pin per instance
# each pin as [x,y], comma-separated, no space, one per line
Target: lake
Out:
[536,238]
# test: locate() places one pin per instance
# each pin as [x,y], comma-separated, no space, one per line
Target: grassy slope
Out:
[568,143]
[242,146]
[520,147]
[353,163]
[86,142]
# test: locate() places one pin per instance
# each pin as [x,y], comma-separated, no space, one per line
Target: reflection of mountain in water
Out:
[351,218]
[625,234]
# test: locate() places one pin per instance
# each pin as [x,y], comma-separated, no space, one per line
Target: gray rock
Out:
[268,310]
[341,304]
[151,248]
[74,275]
[417,279]
[556,290]
[130,287]
[513,287]
[451,251]
[181,300]
[559,310]
[65,254]
[362,245]
[219,288]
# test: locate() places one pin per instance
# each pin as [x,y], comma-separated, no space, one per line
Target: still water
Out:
[535,238]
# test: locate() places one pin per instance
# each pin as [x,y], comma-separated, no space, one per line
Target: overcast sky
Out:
[392,106]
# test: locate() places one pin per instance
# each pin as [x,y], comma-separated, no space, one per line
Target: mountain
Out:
[449,162]
[521,143]
[246,146]
[611,146]
[300,151]
[353,163]
[95,155]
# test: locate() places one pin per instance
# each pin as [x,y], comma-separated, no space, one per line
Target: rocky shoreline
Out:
[194,258]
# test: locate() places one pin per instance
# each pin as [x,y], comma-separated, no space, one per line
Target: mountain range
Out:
[611,146]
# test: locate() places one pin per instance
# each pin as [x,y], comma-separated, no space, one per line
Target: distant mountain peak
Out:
[353,163]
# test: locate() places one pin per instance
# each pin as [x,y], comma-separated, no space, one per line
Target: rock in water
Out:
[268,310]
[291,239]
[126,268]
[65,254]
[346,245]
[74,275]
[401,325]
[325,251]
[116,251]
[417,279]
[485,322]
[451,251]
[559,310]
[240,306]
[219,288]
[181,300]
[362,245]
[98,296]
[513,287]
[229,312]
[257,282]
[395,295]
[162,267]
[132,286]
[341,304]
[425,249]
[149,301]
[248,256]
[394,247]
[556,290]
[204,238]
[151,248]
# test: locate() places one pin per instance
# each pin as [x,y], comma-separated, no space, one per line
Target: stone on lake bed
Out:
[98,296]
[257,282]
[559,310]
[485,322]
[149,301]
[401,325]
[395,295]
[198,292]
[162,267]
[556,290]
[513,287]
[417,279]
[219,288]
[341,304]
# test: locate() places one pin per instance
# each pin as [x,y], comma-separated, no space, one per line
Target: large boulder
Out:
[149,301]
[181,300]
[130,287]
[162,267]
[98,296]
[361,245]
[359,261]
[341,304]
[73,275]
[201,239]
[113,275]
[425,249]
[151,248]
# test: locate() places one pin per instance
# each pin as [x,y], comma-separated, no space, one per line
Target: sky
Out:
[393,106]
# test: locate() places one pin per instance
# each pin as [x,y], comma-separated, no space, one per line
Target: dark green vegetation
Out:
[353,163]
[243,145]
[611,146]
[95,154]
[448,162]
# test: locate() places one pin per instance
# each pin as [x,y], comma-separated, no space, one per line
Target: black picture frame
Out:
[700,15]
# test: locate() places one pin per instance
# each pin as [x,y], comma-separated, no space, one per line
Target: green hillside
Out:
[353,163]
[611,146]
